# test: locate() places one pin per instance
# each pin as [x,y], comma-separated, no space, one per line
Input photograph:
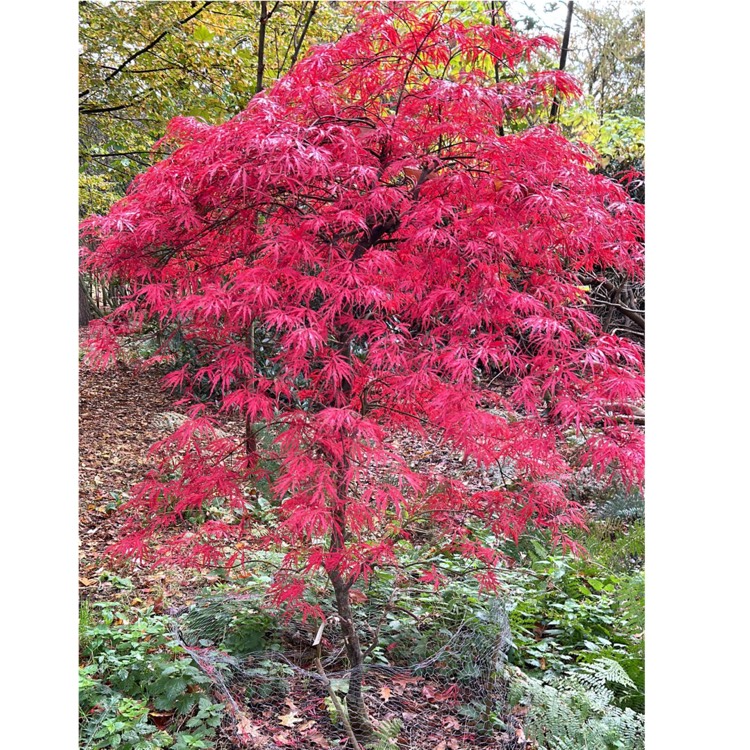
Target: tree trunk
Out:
[355,705]
[261,46]
[356,709]
[301,39]
[358,718]
[563,58]
[86,308]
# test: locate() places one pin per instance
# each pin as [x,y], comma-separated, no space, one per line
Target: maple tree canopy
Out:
[388,240]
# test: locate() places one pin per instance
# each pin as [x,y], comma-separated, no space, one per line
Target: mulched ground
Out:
[121,414]
[428,713]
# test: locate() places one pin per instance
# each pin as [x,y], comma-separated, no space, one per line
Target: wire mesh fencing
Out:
[432,677]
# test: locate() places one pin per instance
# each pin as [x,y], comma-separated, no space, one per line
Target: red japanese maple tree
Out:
[383,242]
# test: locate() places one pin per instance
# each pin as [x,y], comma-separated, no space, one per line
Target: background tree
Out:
[348,259]
[608,56]
[606,52]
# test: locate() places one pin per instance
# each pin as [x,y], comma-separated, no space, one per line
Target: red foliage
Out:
[350,257]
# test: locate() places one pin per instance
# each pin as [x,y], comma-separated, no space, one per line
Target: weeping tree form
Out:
[349,257]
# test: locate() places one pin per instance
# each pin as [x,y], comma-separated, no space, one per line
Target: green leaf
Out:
[202,34]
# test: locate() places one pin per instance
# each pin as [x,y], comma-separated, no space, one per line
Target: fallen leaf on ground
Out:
[357,596]
[448,694]
[401,681]
[290,719]
[161,719]
[284,738]
[428,692]
[246,729]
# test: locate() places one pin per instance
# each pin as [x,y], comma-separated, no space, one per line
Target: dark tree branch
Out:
[637,318]
[493,17]
[301,39]
[390,224]
[119,153]
[261,45]
[148,47]
[101,110]
[633,315]
[140,71]
[563,59]
[265,17]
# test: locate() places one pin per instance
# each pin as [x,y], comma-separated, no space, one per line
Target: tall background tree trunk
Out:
[301,39]
[87,310]
[563,58]
[261,46]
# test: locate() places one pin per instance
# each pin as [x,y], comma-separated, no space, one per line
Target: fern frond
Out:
[386,735]
[578,711]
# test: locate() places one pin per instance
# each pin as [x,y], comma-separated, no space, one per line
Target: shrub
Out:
[133,674]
